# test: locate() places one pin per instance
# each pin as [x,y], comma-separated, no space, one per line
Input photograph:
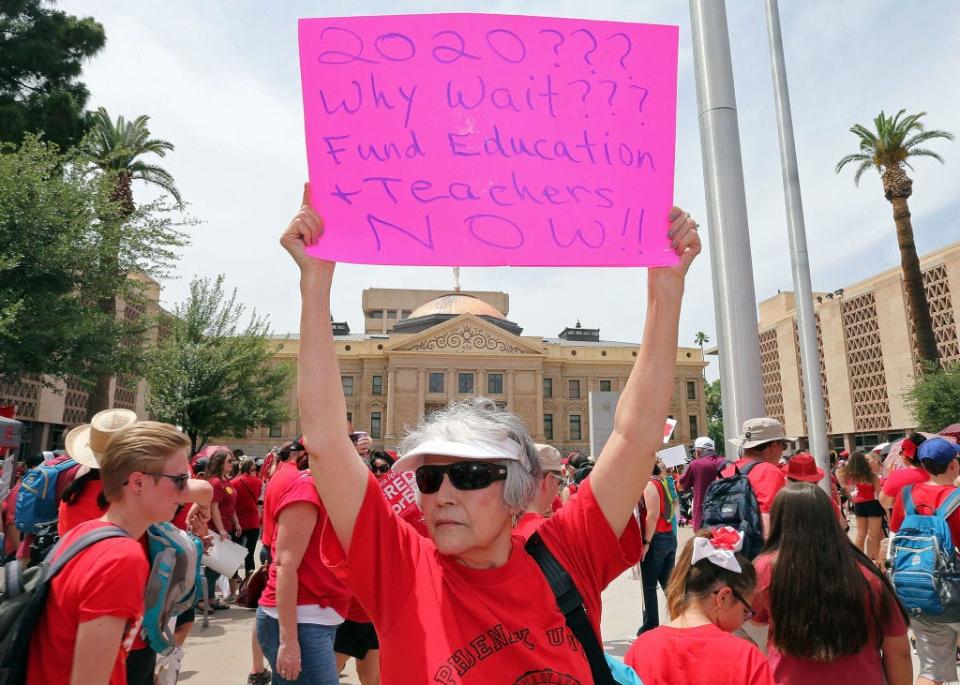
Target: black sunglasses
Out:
[380,468]
[179,480]
[464,475]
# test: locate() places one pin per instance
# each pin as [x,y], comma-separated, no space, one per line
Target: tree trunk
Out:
[913,284]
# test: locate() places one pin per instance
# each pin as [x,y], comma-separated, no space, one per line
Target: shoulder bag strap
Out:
[907,494]
[570,604]
[78,545]
[949,505]
[747,468]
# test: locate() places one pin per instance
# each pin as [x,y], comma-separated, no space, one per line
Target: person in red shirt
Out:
[659,547]
[833,616]
[541,508]
[248,488]
[95,604]
[802,468]
[912,474]
[860,477]
[468,604]
[709,597]
[936,643]
[222,513]
[763,441]
[303,602]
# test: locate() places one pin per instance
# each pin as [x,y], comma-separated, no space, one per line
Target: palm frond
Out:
[923,152]
[858,157]
[866,164]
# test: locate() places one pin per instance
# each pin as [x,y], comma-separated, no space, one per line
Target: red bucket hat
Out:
[803,467]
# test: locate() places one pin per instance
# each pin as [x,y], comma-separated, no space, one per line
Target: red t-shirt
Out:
[316,585]
[356,613]
[84,508]
[692,656]
[106,579]
[247,487]
[900,478]
[926,498]
[766,480]
[225,495]
[9,508]
[865,492]
[528,524]
[285,473]
[439,621]
[863,667]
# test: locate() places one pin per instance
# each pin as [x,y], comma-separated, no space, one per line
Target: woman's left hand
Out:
[288,660]
[685,241]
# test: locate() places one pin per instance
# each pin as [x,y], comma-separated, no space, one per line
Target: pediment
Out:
[465,334]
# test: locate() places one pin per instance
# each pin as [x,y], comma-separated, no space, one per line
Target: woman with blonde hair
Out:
[96,601]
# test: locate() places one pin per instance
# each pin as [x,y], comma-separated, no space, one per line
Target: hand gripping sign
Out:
[483,139]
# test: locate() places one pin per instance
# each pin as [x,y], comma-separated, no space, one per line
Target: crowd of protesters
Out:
[475,555]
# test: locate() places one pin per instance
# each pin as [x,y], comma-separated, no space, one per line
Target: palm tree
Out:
[888,149]
[701,339]
[117,150]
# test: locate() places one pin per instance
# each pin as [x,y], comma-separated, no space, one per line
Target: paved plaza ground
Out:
[220,655]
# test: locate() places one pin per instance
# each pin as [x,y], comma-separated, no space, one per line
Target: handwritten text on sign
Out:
[482,139]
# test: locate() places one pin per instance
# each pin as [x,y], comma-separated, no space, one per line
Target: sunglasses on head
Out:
[463,475]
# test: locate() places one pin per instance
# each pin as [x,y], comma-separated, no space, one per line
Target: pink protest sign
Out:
[483,139]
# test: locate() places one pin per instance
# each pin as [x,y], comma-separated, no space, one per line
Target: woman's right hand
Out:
[288,660]
[304,230]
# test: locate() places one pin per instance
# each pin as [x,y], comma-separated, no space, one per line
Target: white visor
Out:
[477,449]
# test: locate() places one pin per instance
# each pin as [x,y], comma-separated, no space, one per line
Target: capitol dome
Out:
[456,304]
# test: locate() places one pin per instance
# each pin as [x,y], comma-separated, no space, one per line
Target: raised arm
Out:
[626,461]
[339,475]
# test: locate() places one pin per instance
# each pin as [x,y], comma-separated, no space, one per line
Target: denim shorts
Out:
[317,662]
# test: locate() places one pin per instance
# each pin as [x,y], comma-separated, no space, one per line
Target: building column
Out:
[421,394]
[683,420]
[509,389]
[539,421]
[388,429]
[451,384]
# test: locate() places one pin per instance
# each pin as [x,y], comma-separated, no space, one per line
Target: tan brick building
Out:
[423,348]
[867,360]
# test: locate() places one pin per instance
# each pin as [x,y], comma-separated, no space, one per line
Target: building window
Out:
[350,416]
[691,390]
[391,314]
[575,426]
[548,387]
[694,427]
[378,314]
[436,381]
[405,314]
[604,386]
[377,388]
[347,382]
[494,383]
[375,430]
[465,383]
[548,426]
[276,431]
[573,390]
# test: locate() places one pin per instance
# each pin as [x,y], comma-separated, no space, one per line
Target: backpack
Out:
[922,562]
[732,502]
[37,498]
[174,584]
[23,597]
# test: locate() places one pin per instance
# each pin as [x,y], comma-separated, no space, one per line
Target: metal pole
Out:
[734,297]
[799,262]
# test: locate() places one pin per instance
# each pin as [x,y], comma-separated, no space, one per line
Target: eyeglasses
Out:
[380,468]
[748,610]
[464,475]
[556,476]
[179,479]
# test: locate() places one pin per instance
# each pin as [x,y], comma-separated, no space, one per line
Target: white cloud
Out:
[221,81]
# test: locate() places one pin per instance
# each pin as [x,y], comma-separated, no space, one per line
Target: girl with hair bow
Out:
[708,597]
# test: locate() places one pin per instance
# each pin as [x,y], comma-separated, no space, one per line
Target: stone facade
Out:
[392,380]
[865,348]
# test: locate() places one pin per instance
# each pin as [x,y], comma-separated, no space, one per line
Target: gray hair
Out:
[479,418]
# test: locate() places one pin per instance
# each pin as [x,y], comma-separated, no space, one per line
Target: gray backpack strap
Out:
[78,545]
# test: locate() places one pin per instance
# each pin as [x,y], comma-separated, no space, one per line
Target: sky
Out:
[221,81]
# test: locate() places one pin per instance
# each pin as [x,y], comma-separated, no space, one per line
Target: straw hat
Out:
[85,444]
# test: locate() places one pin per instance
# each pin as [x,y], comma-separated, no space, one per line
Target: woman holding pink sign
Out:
[471,603]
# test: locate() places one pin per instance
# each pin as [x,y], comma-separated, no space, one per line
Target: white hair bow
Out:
[720,549]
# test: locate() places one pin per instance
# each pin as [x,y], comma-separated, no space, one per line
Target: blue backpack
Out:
[922,562]
[37,502]
[175,582]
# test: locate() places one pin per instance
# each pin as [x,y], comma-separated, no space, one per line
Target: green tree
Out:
[715,415]
[935,399]
[889,148]
[118,149]
[212,376]
[42,51]
[54,213]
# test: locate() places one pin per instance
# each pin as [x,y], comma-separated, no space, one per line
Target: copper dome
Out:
[456,304]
